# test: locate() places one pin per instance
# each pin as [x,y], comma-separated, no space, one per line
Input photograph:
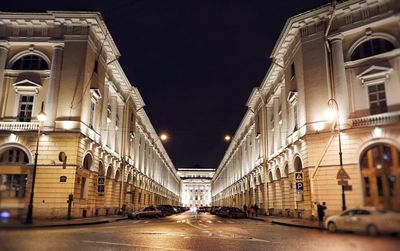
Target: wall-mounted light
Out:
[377,132]
[12,137]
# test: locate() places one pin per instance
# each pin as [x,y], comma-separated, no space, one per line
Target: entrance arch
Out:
[380,174]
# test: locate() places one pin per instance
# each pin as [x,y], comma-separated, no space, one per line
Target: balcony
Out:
[376,120]
[18,126]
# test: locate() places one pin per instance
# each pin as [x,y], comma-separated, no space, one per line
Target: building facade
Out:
[196,186]
[97,147]
[285,153]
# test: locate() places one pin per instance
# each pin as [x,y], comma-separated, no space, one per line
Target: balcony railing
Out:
[378,119]
[18,126]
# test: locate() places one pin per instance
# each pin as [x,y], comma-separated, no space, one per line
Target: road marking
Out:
[209,221]
[230,221]
[146,222]
[131,245]
[219,221]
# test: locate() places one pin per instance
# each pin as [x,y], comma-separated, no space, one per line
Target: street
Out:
[187,232]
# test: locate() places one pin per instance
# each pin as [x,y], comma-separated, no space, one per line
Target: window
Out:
[91,115]
[30,62]
[83,188]
[96,66]
[108,113]
[371,47]
[13,156]
[292,70]
[367,187]
[87,162]
[25,108]
[379,185]
[377,98]
[12,185]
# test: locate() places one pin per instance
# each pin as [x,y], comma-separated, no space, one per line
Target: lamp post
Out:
[334,106]
[41,117]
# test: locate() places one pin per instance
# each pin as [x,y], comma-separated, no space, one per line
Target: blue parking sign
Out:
[299,186]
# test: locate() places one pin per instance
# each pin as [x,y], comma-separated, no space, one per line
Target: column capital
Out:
[4,44]
[337,37]
[58,45]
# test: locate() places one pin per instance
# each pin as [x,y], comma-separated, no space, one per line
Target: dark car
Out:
[214,209]
[234,212]
[166,210]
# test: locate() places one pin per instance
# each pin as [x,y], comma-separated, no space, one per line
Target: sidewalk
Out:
[38,223]
[294,222]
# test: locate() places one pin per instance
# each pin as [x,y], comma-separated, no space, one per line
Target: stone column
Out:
[4,45]
[339,76]
[54,85]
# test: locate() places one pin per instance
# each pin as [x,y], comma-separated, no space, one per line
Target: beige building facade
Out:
[285,153]
[97,143]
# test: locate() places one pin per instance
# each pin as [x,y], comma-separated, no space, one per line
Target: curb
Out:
[294,225]
[19,227]
[254,218]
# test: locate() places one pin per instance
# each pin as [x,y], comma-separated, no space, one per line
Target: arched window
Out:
[101,169]
[13,156]
[278,174]
[371,47]
[30,62]
[109,172]
[118,176]
[380,169]
[87,162]
[298,166]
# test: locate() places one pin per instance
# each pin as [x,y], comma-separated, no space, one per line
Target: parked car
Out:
[365,220]
[147,212]
[204,209]
[167,210]
[214,209]
[231,212]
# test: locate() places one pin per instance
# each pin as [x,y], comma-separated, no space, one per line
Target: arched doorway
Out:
[380,173]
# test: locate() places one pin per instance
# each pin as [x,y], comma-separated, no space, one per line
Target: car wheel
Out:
[332,227]
[372,230]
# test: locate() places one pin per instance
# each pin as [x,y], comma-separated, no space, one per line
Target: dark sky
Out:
[194,62]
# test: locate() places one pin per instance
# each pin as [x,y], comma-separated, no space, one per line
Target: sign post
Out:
[342,176]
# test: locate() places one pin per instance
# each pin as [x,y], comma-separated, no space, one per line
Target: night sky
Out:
[194,62]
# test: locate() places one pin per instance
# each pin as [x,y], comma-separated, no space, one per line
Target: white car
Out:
[147,212]
[365,220]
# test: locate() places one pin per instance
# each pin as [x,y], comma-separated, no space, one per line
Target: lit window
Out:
[371,47]
[91,115]
[30,62]
[13,156]
[25,108]
[377,98]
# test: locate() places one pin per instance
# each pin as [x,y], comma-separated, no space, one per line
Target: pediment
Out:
[27,86]
[374,73]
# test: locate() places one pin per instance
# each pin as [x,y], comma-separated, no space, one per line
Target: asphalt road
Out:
[188,232]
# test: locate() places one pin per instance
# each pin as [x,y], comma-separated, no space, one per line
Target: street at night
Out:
[188,232]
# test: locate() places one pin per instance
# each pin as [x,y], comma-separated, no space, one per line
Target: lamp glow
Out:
[227,138]
[163,137]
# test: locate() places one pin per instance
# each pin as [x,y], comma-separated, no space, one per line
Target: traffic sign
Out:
[101,180]
[342,174]
[299,186]
[299,176]
[100,188]
[342,182]
[348,188]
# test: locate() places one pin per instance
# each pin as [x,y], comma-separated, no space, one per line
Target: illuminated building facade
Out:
[196,186]
[285,153]
[97,146]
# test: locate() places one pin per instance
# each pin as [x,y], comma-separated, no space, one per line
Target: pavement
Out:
[287,221]
[38,223]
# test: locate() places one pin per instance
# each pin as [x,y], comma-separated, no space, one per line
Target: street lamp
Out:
[163,137]
[227,138]
[333,105]
[41,117]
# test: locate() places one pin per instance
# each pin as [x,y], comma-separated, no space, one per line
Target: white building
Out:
[196,186]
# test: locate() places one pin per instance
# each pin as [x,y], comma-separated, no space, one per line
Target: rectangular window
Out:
[379,185]
[91,115]
[391,179]
[83,188]
[12,185]
[292,71]
[377,98]
[367,187]
[25,108]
